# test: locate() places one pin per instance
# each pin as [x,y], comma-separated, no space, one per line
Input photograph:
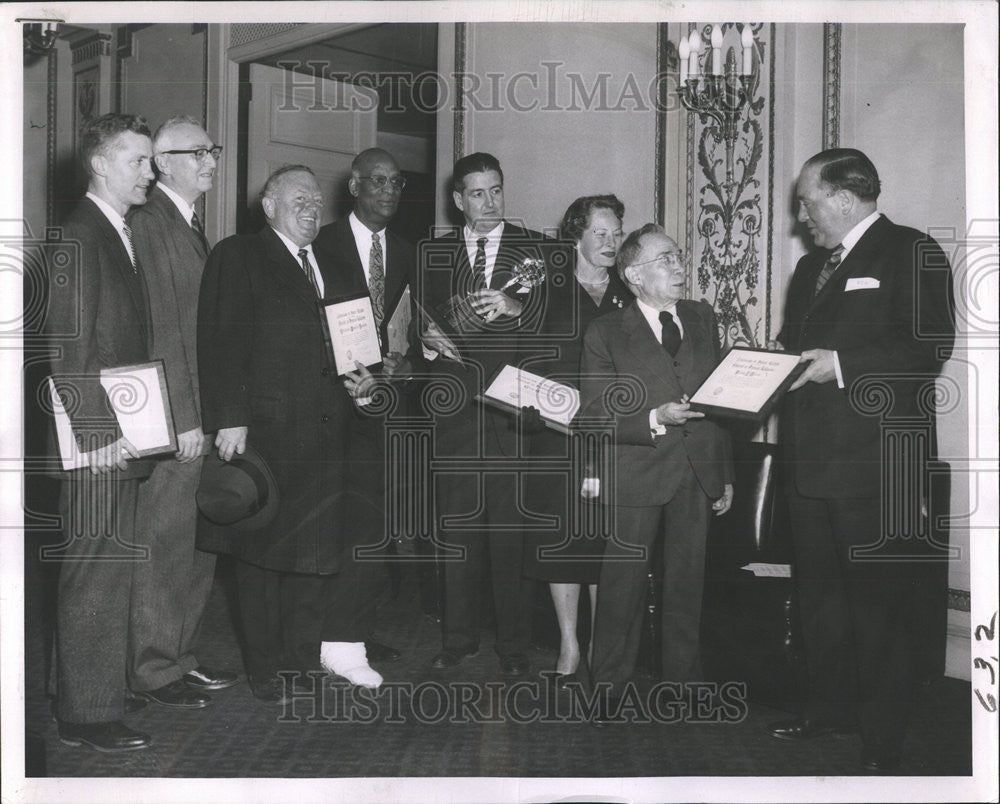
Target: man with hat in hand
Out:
[268,380]
[171,589]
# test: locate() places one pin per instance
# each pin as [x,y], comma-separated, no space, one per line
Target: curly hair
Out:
[99,135]
[577,216]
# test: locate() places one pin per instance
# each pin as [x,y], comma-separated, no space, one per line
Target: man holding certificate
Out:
[375,264]
[268,380]
[871,307]
[479,307]
[672,468]
[99,319]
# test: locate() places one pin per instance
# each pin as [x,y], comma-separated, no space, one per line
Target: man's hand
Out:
[396,365]
[674,413]
[775,346]
[435,340]
[359,383]
[111,457]
[723,504]
[189,445]
[820,369]
[531,419]
[231,441]
[491,304]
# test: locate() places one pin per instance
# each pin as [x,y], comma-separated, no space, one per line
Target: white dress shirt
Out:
[186,209]
[492,247]
[116,220]
[294,250]
[363,239]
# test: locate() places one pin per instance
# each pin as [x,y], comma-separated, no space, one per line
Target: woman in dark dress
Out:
[588,287]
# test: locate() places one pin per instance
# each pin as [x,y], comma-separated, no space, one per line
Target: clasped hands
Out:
[821,368]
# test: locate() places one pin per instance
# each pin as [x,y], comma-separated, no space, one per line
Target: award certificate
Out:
[353,334]
[747,383]
[513,389]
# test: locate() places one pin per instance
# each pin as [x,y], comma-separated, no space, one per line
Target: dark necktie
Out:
[671,333]
[479,266]
[131,248]
[200,230]
[829,267]
[376,279]
[304,257]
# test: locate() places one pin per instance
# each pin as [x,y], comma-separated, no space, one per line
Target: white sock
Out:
[348,660]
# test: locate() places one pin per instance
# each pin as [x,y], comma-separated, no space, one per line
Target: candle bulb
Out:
[746,39]
[694,42]
[684,51]
[716,50]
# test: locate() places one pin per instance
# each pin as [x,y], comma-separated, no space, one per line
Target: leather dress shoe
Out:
[514,664]
[879,760]
[377,652]
[134,704]
[176,695]
[798,729]
[205,678]
[452,658]
[107,737]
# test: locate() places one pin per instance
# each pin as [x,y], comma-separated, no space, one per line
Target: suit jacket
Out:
[621,352]
[172,256]
[337,239]
[98,318]
[888,311]
[264,363]
[445,271]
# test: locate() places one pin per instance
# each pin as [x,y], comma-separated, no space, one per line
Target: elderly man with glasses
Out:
[672,469]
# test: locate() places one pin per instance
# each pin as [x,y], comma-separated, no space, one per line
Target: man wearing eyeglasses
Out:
[171,589]
[673,468]
[368,258]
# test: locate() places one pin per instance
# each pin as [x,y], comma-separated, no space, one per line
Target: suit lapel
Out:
[643,343]
[854,263]
[161,203]
[286,268]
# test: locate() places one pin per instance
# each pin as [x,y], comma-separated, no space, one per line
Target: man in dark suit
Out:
[268,379]
[171,588]
[468,287]
[368,258]
[100,319]
[872,304]
[673,468]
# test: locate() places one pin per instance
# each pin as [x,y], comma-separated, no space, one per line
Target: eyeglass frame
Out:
[674,257]
[215,151]
[381,182]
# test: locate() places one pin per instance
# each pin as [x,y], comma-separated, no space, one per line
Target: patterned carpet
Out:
[467,722]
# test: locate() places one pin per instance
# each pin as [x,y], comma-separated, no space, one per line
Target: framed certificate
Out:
[512,389]
[138,395]
[353,334]
[747,383]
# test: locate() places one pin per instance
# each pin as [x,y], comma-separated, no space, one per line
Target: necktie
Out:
[376,279]
[196,225]
[304,257]
[131,248]
[671,333]
[479,266]
[829,267]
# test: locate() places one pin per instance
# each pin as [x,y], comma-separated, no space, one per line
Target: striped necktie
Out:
[307,268]
[127,231]
[479,266]
[376,279]
[829,267]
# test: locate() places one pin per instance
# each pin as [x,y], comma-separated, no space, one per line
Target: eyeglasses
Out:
[200,153]
[674,259]
[379,182]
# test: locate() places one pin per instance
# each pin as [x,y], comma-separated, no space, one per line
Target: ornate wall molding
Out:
[50,137]
[729,266]
[831,84]
[666,59]
[458,113]
[91,48]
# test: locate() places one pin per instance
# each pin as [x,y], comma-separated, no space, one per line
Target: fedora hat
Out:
[240,493]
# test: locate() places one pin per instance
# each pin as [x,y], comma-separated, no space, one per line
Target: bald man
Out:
[368,258]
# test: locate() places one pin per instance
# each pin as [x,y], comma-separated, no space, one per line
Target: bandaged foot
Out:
[348,660]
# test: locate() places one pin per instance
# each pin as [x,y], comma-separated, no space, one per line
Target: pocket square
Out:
[861,283]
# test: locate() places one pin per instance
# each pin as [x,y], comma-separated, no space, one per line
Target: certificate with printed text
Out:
[353,334]
[512,389]
[747,383]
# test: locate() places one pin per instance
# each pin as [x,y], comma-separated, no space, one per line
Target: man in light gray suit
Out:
[172,587]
